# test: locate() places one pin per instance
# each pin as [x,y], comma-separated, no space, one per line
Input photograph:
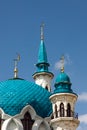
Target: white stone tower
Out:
[43,77]
[63,104]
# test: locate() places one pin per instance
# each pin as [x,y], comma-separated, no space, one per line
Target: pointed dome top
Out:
[42,63]
[42,55]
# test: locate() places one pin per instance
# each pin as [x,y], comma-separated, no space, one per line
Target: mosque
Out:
[26,105]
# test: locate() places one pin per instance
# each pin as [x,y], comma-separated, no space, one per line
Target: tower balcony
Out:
[64,113]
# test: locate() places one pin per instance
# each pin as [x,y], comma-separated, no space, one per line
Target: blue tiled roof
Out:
[16,94]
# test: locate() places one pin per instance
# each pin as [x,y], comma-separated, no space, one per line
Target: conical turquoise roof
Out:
[15,94]
[42,63]
[42,55]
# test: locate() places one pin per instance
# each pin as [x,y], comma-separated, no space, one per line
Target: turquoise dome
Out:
[15,94]
[63,84]
[62,77]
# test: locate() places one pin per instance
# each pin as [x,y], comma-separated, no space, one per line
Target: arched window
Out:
[0,122]
[56,112]
[68,110]
[62,110]
[46,87]
[27,121]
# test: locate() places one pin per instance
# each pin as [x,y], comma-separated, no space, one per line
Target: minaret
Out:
[63,103]
[43,77]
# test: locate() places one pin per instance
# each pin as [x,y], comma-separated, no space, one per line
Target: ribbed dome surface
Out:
[16,94]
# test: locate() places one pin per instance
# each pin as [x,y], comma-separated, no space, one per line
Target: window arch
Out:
[0,122]
[61,110]
[56,112]
[68,110]
[27,121]
[46,87]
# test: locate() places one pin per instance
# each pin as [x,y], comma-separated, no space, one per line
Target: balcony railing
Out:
[64,113]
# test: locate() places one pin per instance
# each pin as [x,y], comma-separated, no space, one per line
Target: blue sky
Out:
[65,33]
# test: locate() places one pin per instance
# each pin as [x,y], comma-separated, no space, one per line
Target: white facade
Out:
[14,123]
[58,121]
[64,116]
[44,79]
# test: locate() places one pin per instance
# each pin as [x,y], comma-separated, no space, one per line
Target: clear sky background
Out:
[65,33]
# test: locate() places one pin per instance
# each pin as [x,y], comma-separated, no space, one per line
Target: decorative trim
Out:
[43,73]
[16,122]
[29,109]
[37,124]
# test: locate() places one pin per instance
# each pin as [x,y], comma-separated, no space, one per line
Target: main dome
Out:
[15,94]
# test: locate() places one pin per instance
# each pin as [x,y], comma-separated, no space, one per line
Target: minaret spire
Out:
[42,54]
[42,31]
[42,76]
[16,66]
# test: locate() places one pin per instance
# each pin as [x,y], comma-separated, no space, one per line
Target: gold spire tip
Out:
[42,31]
[62,59]
[16,66]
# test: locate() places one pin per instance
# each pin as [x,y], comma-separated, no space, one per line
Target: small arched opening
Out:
[68,110]
[56,112]
[0,122]
[27,121]
[46,87]
[61,110]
